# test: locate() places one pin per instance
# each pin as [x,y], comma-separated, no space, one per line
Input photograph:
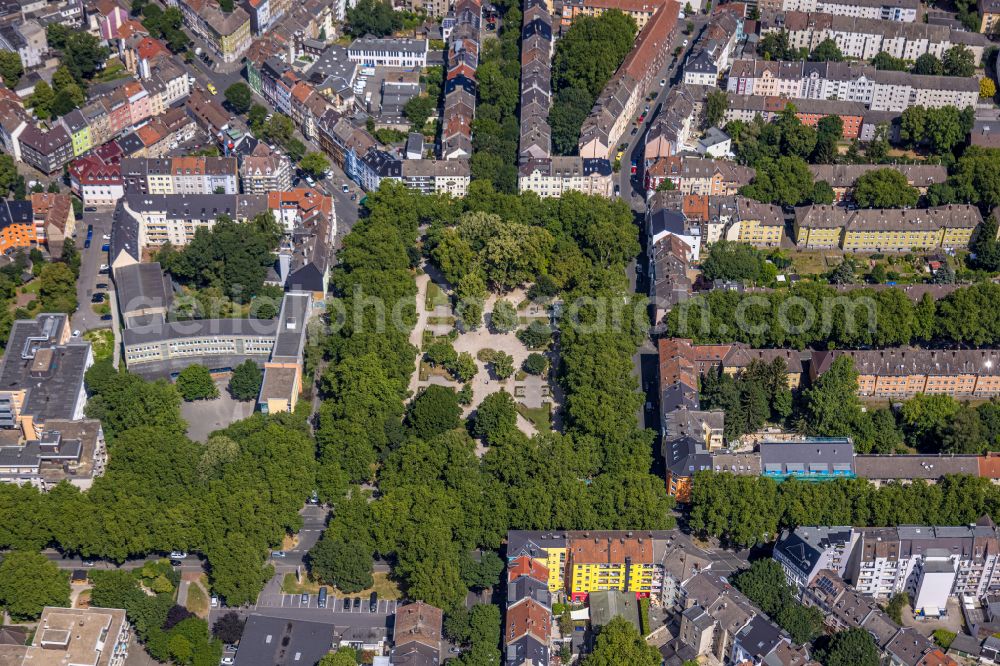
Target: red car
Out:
[634,168]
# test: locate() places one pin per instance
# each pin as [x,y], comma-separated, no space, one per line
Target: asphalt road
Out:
[631,185]
[85,319]
[313,523]
[644,361]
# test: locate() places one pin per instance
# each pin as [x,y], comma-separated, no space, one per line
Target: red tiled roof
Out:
[149,47]
[527,566]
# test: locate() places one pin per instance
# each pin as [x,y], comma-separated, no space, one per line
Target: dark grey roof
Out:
[759,637]
[803,547]
[666,220]
[52,374]
[274,641]
[526,649]
[193,328]
[526,587]
[131,143]
[140,286]
[414,654]
[814,456]
[125,234]
[13,211]
[291,328]
[198,206]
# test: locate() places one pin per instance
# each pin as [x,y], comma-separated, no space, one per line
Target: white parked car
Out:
[178,554]
[228,661]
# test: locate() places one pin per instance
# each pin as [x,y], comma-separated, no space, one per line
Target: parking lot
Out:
[334,604]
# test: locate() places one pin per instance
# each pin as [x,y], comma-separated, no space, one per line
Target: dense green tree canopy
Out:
[619,643]
[585,58]
[885,188]
[28,583]
[195,383]
[239,96]
[372,17]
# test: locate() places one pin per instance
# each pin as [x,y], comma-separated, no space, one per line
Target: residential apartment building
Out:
[42,374]
[641,11]
[758,224]
[228,33]
[70,451]
[989,16]
[416,634]
[810,111]
[437,176]
[864,38]
[388,52]
[697,175]
[156,219]
[460,90]
[904,11]
[879,90]
[46,151]
[528,593]
[710,57]
[265,170]
[552,176]
[17,225]
[905,372]
[96,182]
[27,40]
[930,563]
[181,175]
[53,218]
[805,552]
[94,636]
[886,230]
[536,87]
[670,132]
[842,177]
[618,103]
[580,562]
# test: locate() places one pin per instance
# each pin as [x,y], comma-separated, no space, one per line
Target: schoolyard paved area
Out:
[206,416]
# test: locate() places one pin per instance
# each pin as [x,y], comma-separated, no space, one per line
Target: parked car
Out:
[97,298]
[76,333]
[321,598]
[178,554]
[346,188]
[347,604]
[357,603]
[228,661]
[101,285]
[90,209]
[105,247]
[106,317]
[106,236]
[104,267]
[277,553]
[215,601]
[373,603]
[176,563]
[305,598]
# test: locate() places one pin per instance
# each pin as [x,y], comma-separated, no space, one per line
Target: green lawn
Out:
[102,341]
[539,416]
[197,600]
[289,585]
[435,297]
